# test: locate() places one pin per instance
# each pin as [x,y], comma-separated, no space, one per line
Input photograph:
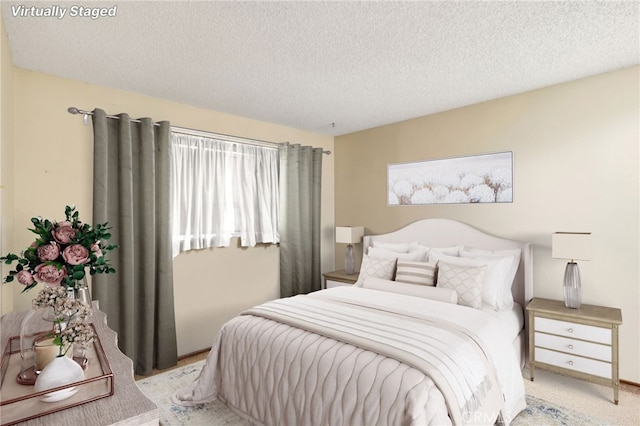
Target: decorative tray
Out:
[19,403]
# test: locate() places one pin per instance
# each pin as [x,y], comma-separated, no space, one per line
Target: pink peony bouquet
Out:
[61,253]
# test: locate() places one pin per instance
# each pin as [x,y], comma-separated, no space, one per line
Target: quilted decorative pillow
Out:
[422,273]
[494,277]
[376,267]
[465,280]
[503,265]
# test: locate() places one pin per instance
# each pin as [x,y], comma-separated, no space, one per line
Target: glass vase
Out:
[82,291]
[80,355]
[36,326]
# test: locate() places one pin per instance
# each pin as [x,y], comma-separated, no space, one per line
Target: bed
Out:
[390,349]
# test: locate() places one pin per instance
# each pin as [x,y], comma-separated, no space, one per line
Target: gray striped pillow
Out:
[422,273]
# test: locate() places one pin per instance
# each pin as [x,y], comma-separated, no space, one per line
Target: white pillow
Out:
[376,267]
[435,257]
[505,274]
[449,251]
[421,273]
[441,294]
[493,287]
[417,255]
[397,247]
[465,280]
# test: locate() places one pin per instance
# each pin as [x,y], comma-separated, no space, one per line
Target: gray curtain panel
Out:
[300,191]
[131,185]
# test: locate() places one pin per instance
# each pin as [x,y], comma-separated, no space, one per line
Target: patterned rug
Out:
[159,389]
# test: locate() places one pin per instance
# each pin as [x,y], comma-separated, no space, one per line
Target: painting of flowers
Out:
[484,178]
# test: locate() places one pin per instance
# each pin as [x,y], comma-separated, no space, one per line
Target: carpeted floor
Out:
[160,387]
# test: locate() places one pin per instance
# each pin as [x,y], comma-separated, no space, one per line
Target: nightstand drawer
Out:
[571,362]
[573,330]
[573,346]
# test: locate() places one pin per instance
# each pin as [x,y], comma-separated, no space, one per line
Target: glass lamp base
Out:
[572,286]
[349,260]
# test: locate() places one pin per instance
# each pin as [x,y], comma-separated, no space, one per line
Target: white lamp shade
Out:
[571,245]
[349,234]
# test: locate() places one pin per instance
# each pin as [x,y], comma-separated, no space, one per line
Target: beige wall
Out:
[6,156]
[53,167]
[576,162]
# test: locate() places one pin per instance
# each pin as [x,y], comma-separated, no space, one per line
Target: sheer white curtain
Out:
[222,190]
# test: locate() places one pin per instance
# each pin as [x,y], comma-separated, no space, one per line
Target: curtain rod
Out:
[187,131]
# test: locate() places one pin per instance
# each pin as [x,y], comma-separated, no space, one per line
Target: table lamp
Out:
[573,246]
[349,235]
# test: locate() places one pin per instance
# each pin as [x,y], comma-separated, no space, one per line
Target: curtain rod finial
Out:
[73,110]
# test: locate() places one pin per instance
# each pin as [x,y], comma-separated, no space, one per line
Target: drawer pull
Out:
[570,346]
[570,362]
[571,330]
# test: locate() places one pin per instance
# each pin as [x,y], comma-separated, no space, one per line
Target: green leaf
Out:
[27,288]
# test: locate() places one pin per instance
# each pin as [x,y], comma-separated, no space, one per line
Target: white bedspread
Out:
[401,369]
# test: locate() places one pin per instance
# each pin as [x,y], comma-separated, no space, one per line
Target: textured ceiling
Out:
[310,64]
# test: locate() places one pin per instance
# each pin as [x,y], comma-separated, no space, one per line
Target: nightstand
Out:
[582,343]
[338,278]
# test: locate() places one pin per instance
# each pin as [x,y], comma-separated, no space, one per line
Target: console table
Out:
[127,406]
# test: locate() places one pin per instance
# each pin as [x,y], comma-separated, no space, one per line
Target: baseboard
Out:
[201,351]
[627,382]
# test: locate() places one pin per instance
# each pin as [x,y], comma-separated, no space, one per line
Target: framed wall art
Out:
[481,178]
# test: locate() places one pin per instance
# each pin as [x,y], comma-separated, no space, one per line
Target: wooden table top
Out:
[127,406]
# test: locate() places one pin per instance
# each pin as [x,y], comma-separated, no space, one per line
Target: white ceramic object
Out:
[59,372]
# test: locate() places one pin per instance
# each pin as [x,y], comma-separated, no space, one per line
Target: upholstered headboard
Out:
[447,233]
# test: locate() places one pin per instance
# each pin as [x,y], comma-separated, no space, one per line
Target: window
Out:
[220,190]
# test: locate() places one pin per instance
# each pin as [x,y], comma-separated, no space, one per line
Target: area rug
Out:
[159,389]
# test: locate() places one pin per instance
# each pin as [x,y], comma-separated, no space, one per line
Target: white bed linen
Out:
[511,324]
[211,383]
[511,321]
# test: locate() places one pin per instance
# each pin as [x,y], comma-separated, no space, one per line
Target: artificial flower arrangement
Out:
[61,253]
[58,258]
[69,318]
